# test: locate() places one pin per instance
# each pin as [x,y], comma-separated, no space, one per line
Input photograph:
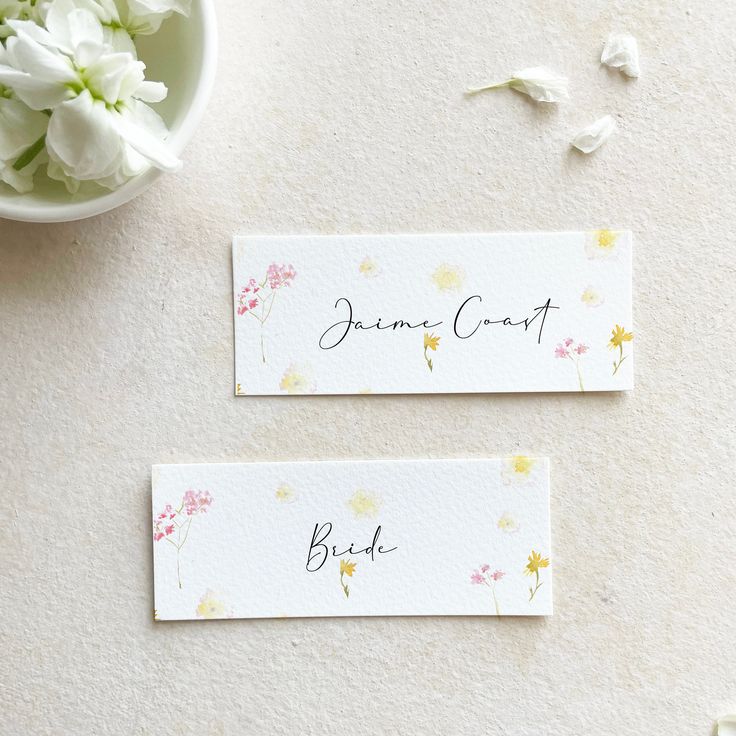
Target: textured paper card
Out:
[510,312]
[399,538]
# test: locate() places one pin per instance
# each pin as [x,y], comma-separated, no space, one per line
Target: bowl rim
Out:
[177,141]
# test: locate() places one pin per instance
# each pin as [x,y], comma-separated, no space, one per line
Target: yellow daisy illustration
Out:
[448,278]
[294,381]
[211,607]
[518,469]
[591,298]
[285,494]
[369,268]
[507,524]
[364,504]
[601,244]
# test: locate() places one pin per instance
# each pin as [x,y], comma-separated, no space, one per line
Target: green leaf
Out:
[30,153]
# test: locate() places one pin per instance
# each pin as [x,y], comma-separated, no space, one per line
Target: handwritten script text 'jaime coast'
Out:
[467,322]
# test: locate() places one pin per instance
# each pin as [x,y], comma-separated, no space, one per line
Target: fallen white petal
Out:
[540,83]
[621,51]
[594,135]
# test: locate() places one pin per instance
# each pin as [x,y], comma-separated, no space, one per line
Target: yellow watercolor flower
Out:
[347,568]
[507,524]
[210,607]
[601,243]
[619,336]
[448,278]
[285,494]
[293,382]
[364,504]
[431,341]
[518,469]
[522,464]
[369,268]
[536,561]
[591,298]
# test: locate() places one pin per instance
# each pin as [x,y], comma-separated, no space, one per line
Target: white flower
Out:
[19,10]
[20,129]
[594,135]
[145,16]
[591,298]
[540,83]
[622,52]
[99,129]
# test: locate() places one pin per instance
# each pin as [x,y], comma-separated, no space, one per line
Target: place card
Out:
[509,312]
[393,538]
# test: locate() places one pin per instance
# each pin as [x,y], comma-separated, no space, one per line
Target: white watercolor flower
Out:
[621,52]
[591,298]
[100,128]
[594,135]
[539,82]
[20,129]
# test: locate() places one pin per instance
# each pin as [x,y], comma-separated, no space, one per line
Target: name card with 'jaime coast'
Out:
[509,312]
[393,538]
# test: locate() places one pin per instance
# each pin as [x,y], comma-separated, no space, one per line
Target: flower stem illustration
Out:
[484,576]
[254,301]
[346,568]
[618,337]
[534,564]
[567,349]
[430,343]
[173,525]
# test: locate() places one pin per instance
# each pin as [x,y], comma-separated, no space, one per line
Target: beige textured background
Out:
[332,116]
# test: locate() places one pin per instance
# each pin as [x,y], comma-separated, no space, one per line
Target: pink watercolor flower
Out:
[561,352]
[581,349]
[279,276]
[177,531]
[196,502]
[476,578]
[568,341]
[496,576]
[485,568]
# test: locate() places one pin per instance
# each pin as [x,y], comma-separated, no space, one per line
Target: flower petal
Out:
[83,140]
[621,51]
[151,91]
[540,83]
[594,135]
[44,64]
[36,94]
[144,142]
[20,128]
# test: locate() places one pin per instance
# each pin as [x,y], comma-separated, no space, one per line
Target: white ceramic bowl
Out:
[183,55]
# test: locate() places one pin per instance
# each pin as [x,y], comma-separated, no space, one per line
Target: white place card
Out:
[393,538]
[509,312]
